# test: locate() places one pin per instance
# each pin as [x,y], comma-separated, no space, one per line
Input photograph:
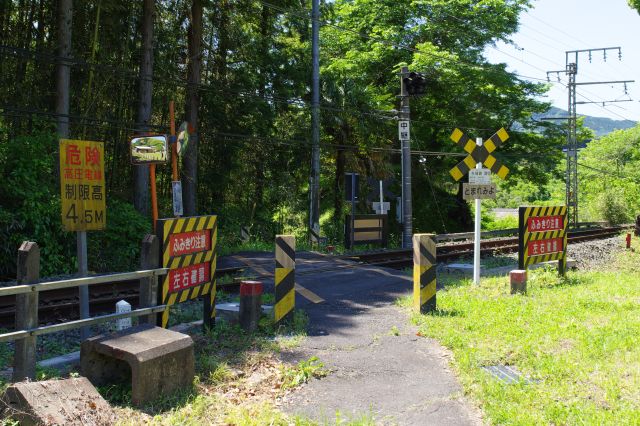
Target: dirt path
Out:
[379,367]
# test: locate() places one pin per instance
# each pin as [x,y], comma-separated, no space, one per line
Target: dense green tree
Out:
[444,40]
[610,177]
[243,80]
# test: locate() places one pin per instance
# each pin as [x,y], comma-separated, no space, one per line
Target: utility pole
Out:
[571,70]
[314,184]
[407,207]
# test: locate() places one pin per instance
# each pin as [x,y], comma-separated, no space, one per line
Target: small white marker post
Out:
[122,307]
[476,240]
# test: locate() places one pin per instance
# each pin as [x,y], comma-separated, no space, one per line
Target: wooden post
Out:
[26,312]
[149,259]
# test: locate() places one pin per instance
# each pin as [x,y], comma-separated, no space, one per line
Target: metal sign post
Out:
[404,134]
[479,153]
[476,234]
[179,146]
[83,202]
[351,183]
[353,206]
[542,236]
[381,207]
[188,250]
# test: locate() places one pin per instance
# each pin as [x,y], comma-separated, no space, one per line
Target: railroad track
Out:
[402,258]
[62,305]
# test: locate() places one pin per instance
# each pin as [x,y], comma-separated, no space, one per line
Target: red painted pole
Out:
[250,304]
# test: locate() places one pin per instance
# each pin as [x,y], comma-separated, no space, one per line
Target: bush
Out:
[117,248]
[612,207]
[506,222]
[30,210]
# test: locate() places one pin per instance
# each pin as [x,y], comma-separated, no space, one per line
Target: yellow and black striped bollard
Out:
[176,257]
[424,273]
[285,278]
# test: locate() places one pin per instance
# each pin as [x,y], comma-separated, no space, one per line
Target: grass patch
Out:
[295,376]
[575,337]
[251,246]
[239,379]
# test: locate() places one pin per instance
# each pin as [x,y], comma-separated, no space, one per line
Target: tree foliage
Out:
[610,176]
[254,100]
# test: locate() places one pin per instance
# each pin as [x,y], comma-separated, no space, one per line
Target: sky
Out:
[551,27]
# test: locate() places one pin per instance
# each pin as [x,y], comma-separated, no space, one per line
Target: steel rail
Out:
[75,282]
[47,329]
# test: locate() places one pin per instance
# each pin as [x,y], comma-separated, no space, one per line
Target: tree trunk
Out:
[141,173]
[21,70]
[190,161]
[224,42]
[63,69]
[40,32]
[337,187]
[4,11]
[87,100]
[259,150]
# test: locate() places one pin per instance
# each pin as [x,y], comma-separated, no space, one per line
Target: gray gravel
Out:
[596,254]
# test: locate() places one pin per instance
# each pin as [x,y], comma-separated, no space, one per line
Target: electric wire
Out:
[408,48]
[177,81]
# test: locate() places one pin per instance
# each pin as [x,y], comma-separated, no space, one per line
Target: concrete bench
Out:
[156,360]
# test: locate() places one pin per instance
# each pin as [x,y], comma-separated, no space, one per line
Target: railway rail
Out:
[62,305]
[448,251]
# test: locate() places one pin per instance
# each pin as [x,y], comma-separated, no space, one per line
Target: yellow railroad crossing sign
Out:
[479,154]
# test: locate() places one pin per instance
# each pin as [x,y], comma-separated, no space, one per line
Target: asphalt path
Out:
[379,368]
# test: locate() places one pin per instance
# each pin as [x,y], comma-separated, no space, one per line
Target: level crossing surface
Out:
[379,367]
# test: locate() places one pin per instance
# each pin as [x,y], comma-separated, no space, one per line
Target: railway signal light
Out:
[414,84]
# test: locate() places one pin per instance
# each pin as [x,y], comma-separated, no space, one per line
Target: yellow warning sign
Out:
[479,154]
[82,188]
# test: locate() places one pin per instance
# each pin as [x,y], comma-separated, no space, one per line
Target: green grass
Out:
[576,338]
[250,246]
[301,373]
[226,359]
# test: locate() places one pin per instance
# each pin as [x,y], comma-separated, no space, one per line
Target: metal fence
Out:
[28,289]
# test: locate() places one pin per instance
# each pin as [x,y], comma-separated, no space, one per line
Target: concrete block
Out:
[230,312]
[518,279]
[122,307]
[57,402]
[571,264]
[461,268]
[156,360]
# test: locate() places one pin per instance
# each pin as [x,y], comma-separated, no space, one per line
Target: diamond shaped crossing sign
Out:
[479,154]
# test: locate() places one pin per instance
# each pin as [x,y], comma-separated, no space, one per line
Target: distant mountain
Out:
[600,125]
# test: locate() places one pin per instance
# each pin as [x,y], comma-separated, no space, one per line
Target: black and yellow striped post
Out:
[424,273]
[542,236]
[189,252]
[285,278]
[479,154]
